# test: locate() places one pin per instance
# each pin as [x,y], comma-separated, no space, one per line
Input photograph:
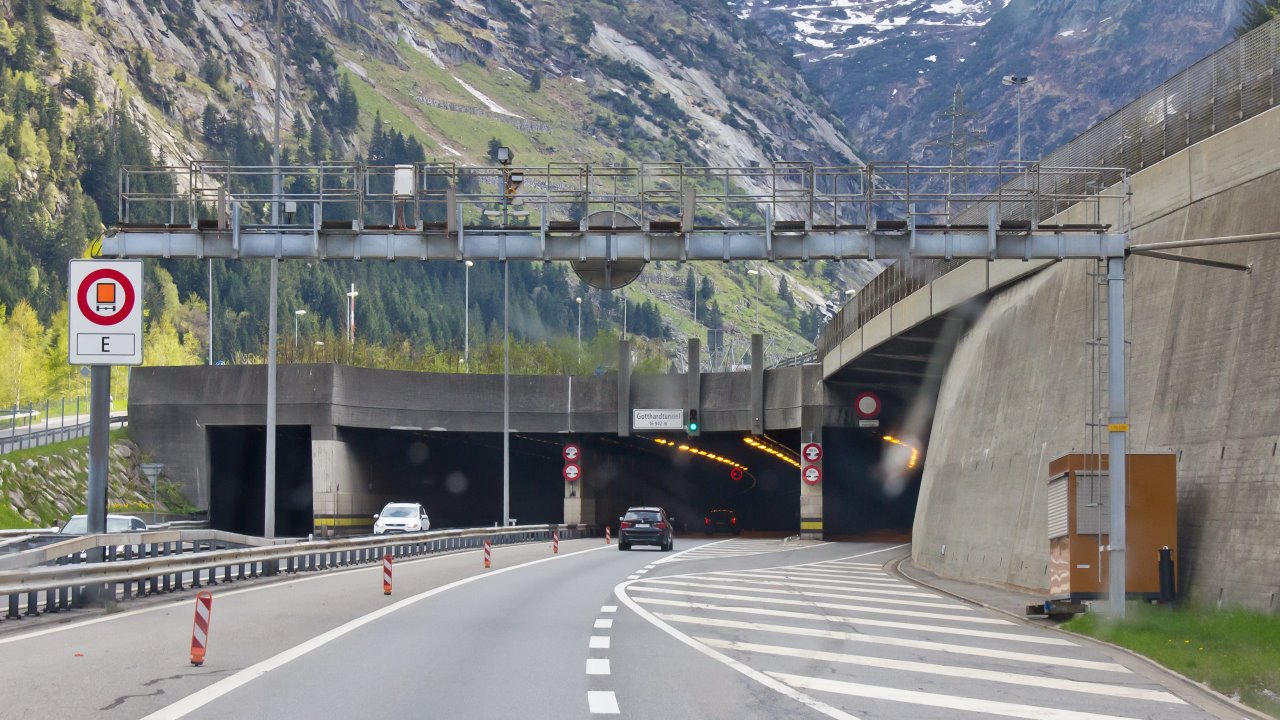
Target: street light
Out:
[579,301]
[351,314]
[756,272]
[466,316]
[1018,81]
[297,315]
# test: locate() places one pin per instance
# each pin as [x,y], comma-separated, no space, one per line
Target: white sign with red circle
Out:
[572,472]
[735,474]
[812,475]
[104,312]
[571,453]
[867,405]
[811,452]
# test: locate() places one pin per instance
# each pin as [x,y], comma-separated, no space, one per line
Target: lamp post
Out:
[466,317]
[351,314]
[1018,81]
[269,472]
[579,301]
[624,314]
[319,348]
[297,315]
[756,272]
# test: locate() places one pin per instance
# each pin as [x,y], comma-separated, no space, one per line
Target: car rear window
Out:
[642,516]
[721,514]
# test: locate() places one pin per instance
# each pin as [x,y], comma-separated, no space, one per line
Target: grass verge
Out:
[1236,652]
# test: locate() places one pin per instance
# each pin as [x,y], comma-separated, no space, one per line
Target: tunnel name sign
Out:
[104,317]
[657,419]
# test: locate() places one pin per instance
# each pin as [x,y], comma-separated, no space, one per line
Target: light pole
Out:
[506,397]
[579,301]
[319,349]
[269,472]
[624,314]
[756,272]
[297,315]
[466,317]
[1018,81]
[351,314]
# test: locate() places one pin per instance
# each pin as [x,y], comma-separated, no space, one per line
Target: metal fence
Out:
[49,430]
[140,564]
[1237,82]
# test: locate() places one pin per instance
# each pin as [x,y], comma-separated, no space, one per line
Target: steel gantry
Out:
[611,220]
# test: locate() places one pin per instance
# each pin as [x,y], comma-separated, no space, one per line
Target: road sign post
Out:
[104,328]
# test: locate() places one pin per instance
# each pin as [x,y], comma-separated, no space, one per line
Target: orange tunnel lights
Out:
[765,447]
[915,452]
[685,447]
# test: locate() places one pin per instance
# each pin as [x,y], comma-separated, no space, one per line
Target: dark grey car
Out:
[645,526]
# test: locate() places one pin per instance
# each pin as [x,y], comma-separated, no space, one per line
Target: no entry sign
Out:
[812,475]
[572,472]
[104,312]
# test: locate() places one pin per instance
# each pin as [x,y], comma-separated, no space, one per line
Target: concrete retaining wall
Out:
[1204,383]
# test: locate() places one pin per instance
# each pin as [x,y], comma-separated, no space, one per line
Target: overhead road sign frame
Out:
[104,312]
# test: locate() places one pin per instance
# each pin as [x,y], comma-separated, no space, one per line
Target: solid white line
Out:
[1033,658]
[917,627]
[608,608]
[851,587]
[800,593]
[953,702]
[831,578]
[599,642]
[830,606]
[621,591]
[179,600]
[843,572]
[1035,681]
[603,702]
[603,624]
[598,666]
[208,694]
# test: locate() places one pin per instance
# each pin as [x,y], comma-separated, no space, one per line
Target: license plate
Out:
[642,525]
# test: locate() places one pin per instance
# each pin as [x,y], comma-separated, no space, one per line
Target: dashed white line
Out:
[603,624]
[598,666]
[603,702]
[633,577]
[649,567]
[599,642]
[608,608]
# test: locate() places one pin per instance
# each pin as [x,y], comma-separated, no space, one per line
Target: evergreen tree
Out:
[1257,13]
[494,144]
[211,125]
[348,112]
[689,285]
[535,81]
[784,293]
[707,290]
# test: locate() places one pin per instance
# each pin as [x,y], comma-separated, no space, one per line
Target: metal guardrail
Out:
[1235,83]
[40,438]
[805,358]
[169,566]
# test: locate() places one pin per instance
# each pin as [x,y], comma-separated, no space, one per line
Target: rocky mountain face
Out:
[587,81]
[890,67]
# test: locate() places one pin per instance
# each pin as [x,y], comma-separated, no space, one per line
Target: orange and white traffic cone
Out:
[200,627]
[555,542]
[606,534]
[386,574]
[487,552]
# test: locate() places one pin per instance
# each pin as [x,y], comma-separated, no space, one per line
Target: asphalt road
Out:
[735,629]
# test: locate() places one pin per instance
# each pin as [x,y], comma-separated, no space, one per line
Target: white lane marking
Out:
[842,572]
[953,702]
[846,563]
[608,608]
[633,577]
[603,624]
[648,567]
[599,642]
[641,572]
[815,577]
[208,694]
[181,601]
[708,552]
[671,558]
[603,702]
[1033,658]
[917,627]
[1035,681]
[597,666]
[830,606]
[802,593]
[851,587]
[621,592]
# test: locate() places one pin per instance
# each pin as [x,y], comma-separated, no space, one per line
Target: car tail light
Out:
[624,525]
[660,526]
[733,521]
[707,521]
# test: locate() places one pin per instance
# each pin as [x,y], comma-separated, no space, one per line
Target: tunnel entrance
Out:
[237,479]
[868,490]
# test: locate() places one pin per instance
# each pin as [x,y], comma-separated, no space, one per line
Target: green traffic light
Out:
[693,427]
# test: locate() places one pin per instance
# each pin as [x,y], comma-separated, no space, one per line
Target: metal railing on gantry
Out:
[565,211]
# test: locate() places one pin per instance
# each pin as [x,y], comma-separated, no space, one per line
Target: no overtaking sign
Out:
[104,312]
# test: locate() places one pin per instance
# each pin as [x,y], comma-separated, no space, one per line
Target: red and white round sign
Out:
[105,296]
[867,405]
[811,452]
[571,452]
[811,475]
[735,474]
[572,472]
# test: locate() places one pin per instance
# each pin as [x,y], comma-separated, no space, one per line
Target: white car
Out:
[401,517]
[79,524]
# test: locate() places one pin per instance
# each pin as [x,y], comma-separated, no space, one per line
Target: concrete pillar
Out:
[812,414]
[340,501]
[693,400]
[579,501]
[757,384]
[624,388]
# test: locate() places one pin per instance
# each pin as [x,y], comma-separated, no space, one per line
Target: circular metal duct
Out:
[604,274]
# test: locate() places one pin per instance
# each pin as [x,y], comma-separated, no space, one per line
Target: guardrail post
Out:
[33,603]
